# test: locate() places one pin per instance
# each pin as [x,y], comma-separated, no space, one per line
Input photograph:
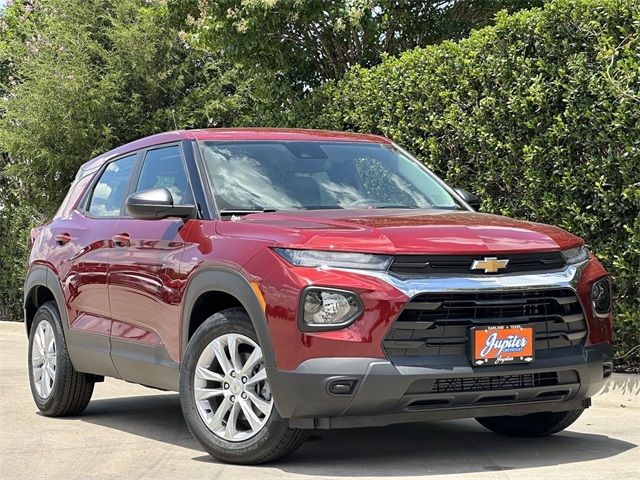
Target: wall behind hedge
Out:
[538,115]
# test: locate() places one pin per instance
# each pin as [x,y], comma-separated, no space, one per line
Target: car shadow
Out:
[434,448]
[157,417]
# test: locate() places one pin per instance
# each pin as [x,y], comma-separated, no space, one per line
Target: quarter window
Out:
[109,193]
[163,168]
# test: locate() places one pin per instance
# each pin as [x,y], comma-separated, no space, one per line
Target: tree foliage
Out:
[304,43]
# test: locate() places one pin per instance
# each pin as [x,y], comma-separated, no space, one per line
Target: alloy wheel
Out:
[43,359]
[230,388]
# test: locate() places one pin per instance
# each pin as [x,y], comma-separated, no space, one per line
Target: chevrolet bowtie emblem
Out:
[489,264]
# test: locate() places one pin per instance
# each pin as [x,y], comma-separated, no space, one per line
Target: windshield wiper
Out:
[417,207]
[400,206]
[229,212]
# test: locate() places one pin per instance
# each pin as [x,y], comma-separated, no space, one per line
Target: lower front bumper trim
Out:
[433,414]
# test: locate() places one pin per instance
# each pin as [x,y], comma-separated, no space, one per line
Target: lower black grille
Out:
[437,324]
[503,382]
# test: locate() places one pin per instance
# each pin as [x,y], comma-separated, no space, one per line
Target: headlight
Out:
[322,258]
[328,309]
[576,255]
[601,297]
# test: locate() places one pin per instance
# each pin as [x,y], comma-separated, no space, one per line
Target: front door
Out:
[144,281]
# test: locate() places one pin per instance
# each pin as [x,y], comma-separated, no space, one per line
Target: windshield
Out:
[257,175]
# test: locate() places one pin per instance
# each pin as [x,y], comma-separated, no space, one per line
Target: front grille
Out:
[436,324]
[409,265]
[498,382]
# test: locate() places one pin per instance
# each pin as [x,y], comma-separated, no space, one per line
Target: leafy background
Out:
[537,110]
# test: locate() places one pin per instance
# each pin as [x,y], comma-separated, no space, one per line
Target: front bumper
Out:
[383,393]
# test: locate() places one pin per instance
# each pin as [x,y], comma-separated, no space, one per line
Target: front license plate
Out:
[501,345]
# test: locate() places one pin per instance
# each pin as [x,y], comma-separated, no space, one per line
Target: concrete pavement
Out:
[131,432]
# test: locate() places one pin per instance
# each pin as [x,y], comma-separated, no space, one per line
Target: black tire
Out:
[71,390]
[532,425]
[274,441]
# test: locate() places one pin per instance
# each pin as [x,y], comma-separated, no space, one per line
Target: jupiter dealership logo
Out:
[503,344]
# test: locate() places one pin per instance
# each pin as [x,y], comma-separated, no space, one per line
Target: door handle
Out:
[63,238]
[121,239]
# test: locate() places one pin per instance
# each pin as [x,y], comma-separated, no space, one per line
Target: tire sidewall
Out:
[232,321]
[46,313]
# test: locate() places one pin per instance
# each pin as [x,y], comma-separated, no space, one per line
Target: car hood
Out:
[399,231]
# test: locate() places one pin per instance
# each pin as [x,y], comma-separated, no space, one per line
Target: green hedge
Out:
[539,115]
[15,225]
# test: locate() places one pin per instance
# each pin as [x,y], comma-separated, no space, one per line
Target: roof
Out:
[255,134]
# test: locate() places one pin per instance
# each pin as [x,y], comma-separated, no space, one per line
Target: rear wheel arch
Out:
[41,286]
[229,289]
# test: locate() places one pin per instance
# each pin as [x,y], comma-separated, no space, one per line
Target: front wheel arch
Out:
[230,282]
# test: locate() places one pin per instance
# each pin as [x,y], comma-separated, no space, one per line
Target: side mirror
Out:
[156,203]
[473,201]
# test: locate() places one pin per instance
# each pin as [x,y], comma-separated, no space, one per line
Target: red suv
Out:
[290,280]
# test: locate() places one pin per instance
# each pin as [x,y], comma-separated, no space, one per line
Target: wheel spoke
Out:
[258,377]
[221,356]
[231,428]
[39,338]
[44,382]
[49,386]
[251,416]
[234,353]
[36,360]
[263,406]
[207,393]
[206,374]
[44,335]
[51,345]
[218,416]
[252,361]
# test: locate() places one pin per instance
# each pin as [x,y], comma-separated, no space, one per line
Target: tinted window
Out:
[109,193]
[319,175]
[163,167]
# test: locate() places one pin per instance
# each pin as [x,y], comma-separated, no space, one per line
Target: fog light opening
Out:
[342,387]
[328,309]
[601,297]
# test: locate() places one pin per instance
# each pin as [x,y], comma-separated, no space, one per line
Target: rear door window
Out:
[109,193]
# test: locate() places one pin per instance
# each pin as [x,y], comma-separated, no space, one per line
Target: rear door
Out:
[144,281]
[82,239]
